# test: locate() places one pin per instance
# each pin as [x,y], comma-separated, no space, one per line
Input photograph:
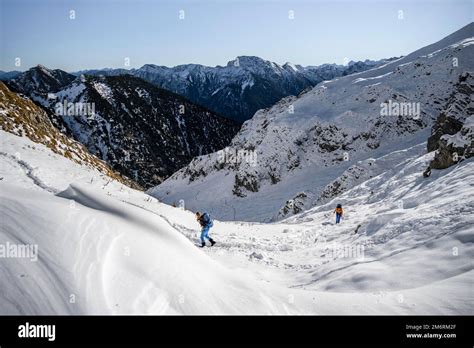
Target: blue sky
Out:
[106,32]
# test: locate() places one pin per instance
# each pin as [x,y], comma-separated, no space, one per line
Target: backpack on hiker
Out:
[206,220]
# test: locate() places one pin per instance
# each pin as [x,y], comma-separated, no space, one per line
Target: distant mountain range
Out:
[8,75]
[245,85]
[237,90]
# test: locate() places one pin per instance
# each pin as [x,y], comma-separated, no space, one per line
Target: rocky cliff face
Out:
[453,133]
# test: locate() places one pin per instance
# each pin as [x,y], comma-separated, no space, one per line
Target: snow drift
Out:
[106,249]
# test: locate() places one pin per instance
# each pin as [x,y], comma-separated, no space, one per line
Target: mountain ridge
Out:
[302,142]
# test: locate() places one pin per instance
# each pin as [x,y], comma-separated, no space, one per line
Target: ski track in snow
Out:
[29,172]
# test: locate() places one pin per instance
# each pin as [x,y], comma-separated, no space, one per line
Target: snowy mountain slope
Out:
[141,131]
[302,144]
[104,248]
[452,135]
[411,232]
[245,85]
[355,174]
[406,222]
[20,116]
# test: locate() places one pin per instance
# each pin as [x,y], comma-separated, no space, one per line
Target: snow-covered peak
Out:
[43,69]
[292,66]
[150,67]
[39,80]
[248,62]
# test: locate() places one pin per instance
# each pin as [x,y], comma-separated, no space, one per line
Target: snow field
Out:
[114,250]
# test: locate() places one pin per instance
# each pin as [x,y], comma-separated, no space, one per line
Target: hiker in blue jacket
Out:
[206,222]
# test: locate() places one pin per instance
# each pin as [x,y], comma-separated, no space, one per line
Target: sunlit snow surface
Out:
[107,249]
